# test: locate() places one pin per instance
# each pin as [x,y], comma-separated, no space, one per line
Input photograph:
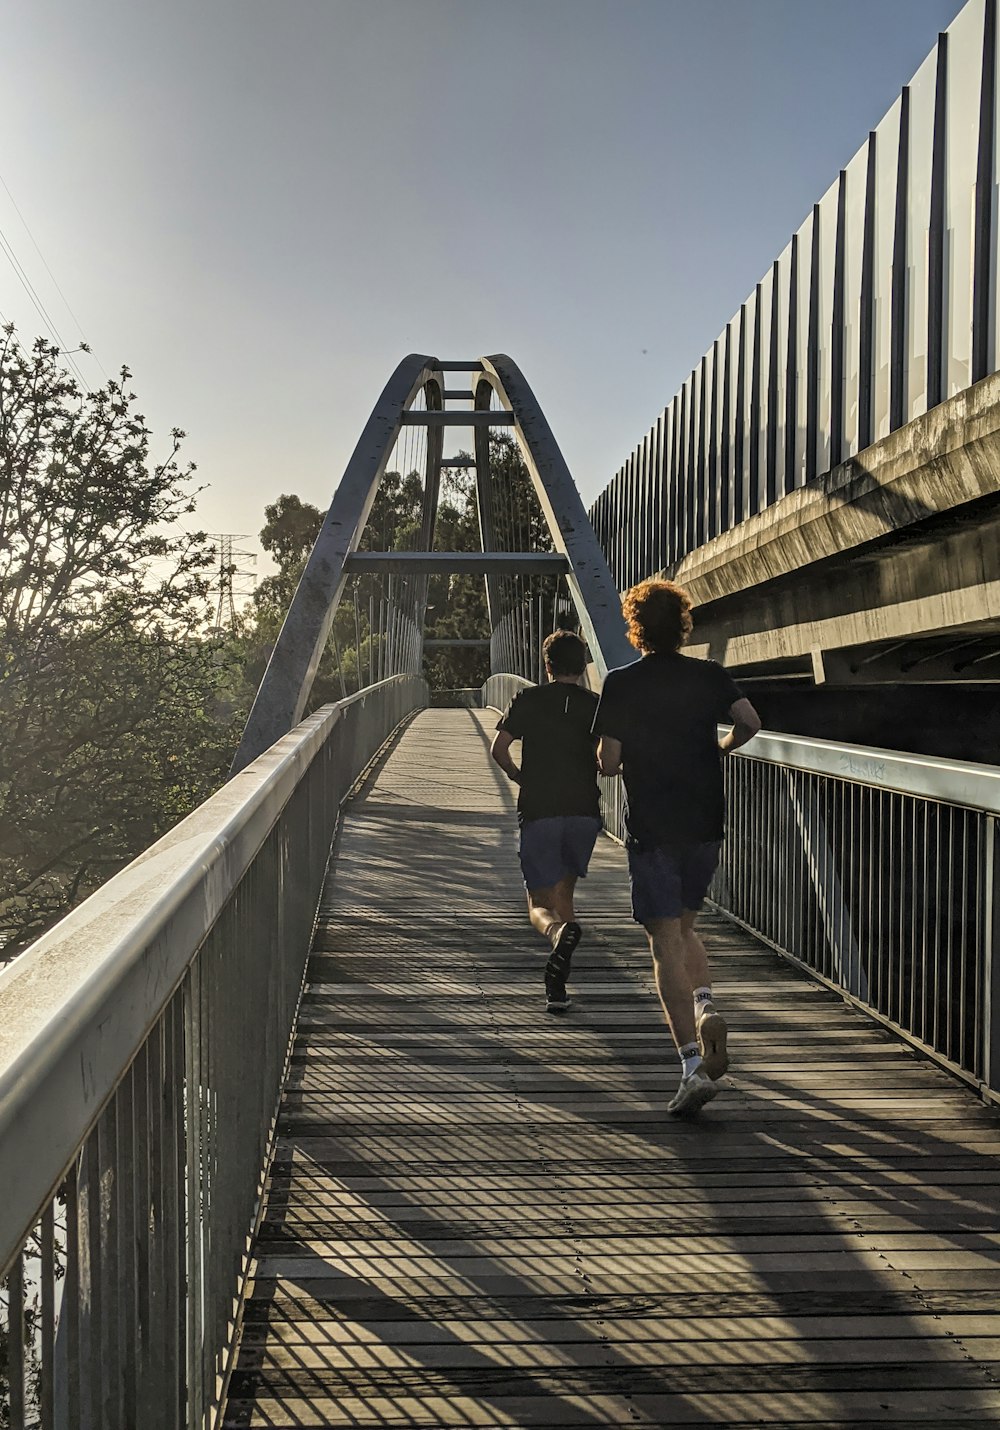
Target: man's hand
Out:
[500,752]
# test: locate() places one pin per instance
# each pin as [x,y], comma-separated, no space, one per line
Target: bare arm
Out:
[500,752]
[746,723]
[609,755]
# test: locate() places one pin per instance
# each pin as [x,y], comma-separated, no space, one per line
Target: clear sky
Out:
[261,205]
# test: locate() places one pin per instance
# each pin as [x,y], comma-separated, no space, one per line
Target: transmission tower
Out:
[232,578]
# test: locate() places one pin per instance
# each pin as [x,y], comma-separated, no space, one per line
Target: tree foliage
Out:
[120,704]
[117,712]
[456,604]
[289,531]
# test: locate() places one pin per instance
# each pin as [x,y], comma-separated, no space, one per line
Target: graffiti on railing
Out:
[871,771]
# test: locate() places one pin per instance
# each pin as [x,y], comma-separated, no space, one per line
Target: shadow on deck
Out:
[480,1215]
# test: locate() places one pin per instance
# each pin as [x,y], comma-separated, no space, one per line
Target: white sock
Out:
[690,1059]
[702,999]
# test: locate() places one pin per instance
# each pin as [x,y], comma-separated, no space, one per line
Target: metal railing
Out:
[880,306]
[499,690]
[877,871]
[143,1043]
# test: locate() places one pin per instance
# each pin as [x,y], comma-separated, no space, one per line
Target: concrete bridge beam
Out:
[900,541]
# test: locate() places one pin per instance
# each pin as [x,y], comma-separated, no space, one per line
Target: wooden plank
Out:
[454,1352]
[667,1335]
[789,1300]
[582,1409]
[481,1215]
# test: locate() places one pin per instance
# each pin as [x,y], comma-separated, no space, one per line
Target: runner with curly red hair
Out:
[657,723]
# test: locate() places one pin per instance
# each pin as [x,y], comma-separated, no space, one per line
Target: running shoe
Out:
[712,1033]
[695,1090]
[557,1000]
[564,938]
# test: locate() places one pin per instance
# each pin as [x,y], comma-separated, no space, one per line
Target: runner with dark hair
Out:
[658,726]
[558,806]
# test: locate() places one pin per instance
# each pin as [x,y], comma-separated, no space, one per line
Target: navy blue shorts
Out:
[557,848]
[671,880]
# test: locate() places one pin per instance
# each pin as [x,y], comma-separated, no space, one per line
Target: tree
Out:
[290,530]
[118,715]
[456,605]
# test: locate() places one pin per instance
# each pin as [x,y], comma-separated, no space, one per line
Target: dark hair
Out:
[564,653]
[658,615]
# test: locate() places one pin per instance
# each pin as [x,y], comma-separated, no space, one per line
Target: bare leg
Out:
[695,956]
[551,906]
[673,983]
[711,1026]
[551,913]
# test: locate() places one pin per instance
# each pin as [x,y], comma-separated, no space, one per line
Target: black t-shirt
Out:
[664,709]
[558,750]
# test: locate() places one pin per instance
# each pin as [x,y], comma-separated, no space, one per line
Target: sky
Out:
[260,206]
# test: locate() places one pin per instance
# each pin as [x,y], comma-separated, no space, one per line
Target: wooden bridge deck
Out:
[480,1215]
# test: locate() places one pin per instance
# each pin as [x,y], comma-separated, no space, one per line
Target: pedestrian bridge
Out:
[287,1137]
[479,1215]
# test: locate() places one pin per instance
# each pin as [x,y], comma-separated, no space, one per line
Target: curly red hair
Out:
[658,616]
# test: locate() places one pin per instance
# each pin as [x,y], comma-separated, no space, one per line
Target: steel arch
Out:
[281,699]
[284,690]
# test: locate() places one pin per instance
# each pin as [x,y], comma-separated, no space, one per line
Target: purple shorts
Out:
[671,880]
[557,848]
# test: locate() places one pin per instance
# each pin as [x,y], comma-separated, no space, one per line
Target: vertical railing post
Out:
[991,959]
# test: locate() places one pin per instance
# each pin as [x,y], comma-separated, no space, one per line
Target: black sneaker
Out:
[557,1000]
[565,938]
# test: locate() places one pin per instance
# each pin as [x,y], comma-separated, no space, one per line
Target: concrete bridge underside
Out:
[886,570]
[479,1214]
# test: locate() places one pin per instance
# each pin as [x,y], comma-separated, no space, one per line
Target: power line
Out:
[39,306]
[34,241]
[32,292]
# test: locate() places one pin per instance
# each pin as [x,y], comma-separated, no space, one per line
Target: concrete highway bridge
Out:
[287,1137]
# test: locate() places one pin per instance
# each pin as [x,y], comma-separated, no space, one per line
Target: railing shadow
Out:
[678,1282]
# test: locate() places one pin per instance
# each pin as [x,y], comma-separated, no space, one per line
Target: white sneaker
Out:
[712,1034]
[695,1090]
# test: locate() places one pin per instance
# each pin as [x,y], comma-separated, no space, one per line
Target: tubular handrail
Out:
[877,872]
[76,1007]
[958,782]
[499,690]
